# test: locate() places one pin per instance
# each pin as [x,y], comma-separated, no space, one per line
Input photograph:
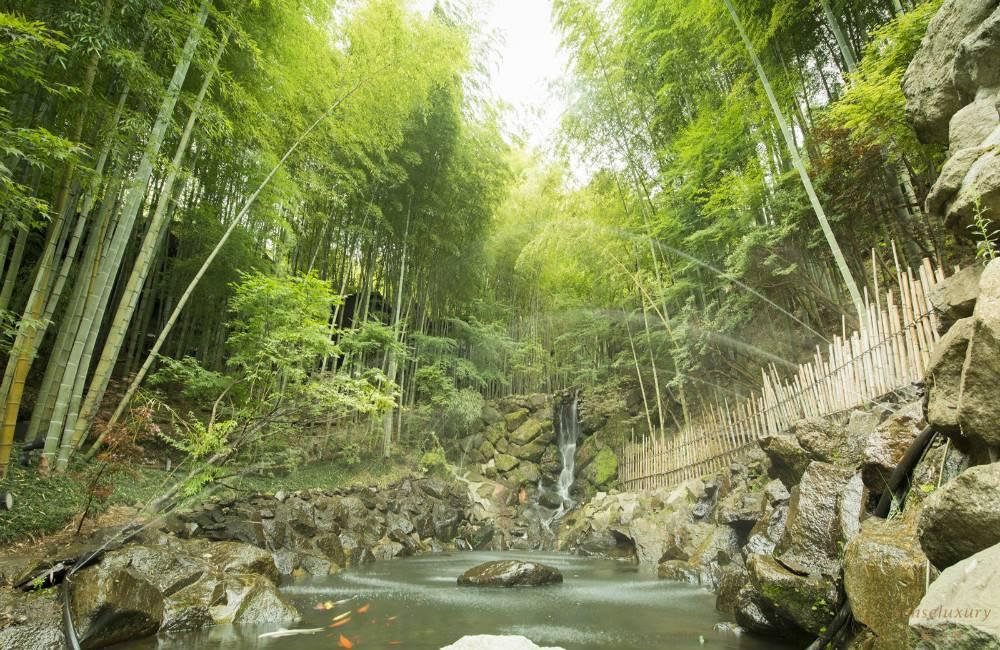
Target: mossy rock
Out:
[487,451]
[603,470]
[550,463]
[526,474]
[527,432]
[532,451]
[516,418]
[506,462]
[502,445]
[807,602]
[496,431]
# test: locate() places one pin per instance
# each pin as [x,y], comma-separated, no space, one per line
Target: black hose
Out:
[903,469]
[69,630]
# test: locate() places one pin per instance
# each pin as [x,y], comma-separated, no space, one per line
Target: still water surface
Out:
[415,603]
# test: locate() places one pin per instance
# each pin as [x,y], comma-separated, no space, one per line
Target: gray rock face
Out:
[740,508]
[960,609]
[952,86]
[965,371]
[767,532]
[510,573]
[929,82]
[732,579]
[516,418]
[529,431]
[971,125]
[962,517]
[978,415]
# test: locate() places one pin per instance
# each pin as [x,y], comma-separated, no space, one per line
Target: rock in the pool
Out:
[510,573]
[487,642]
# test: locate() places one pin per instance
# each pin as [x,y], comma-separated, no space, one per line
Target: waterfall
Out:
[569,433]
[569,430]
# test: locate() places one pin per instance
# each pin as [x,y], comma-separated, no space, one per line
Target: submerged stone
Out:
[510,573]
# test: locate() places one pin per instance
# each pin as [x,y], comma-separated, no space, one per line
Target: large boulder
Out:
[510,573]
[235,557]
[646,536]
[168,569]
[506,462]
[959,611]
[254,600]
[683,539]
[495,432]
[962,517]
[815,529]
[884,449]
[767,532]
[953,86]
[718,550]
[884,576]
[731,580]
[190,608]
[972,124]
[486,451]
[529,431]
[530,451]
[807,601]
[955,298]
[944,376]
[824,440]
[111,604]
[978,416]
[490,415]
[603,470]
[515,419]
[788,459]
[929,82]
[741,508]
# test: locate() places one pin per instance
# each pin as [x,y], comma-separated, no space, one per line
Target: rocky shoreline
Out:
[221,562]
[793,534]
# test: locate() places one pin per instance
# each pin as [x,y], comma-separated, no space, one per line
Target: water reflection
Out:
[416,603]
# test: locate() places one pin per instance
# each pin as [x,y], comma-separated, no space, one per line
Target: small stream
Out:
[416,603]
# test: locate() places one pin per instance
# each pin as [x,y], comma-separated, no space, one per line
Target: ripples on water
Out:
[415,603]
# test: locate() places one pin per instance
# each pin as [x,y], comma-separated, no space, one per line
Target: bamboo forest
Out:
[500,324]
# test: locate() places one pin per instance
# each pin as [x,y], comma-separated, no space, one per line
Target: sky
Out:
[527,59]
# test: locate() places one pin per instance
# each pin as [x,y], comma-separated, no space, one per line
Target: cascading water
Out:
[552,500]
[569,433]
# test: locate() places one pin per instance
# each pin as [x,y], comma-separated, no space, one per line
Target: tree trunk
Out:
[172,320]
[143,263]
[391,372]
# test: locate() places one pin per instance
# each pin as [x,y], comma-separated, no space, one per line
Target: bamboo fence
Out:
[889,353]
